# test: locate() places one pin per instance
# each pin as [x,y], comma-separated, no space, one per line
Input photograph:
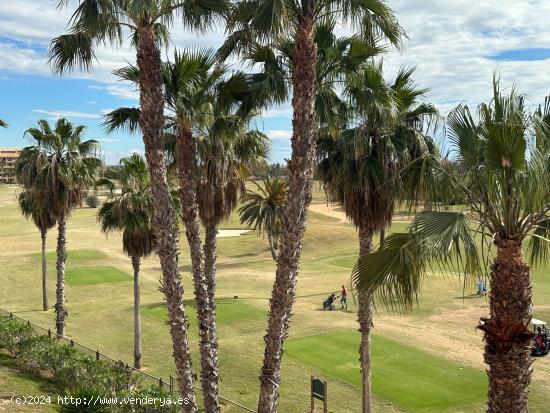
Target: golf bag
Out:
[328,304]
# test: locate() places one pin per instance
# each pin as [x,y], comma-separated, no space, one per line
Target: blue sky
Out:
[456,46]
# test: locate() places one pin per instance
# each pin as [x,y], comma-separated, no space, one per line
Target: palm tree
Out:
[3,124]
[33,205]
[227,150]
[132,213]
[198,93]
[361,168]
[505,153]
[99,22]
[59,167]
[264,209]
[189,89]
[262,21]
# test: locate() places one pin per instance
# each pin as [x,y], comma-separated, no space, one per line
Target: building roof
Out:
[10,152]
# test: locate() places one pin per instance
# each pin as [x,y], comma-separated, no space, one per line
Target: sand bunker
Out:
[225,233]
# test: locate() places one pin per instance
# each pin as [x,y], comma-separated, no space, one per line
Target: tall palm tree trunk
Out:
[206,315]
[210,245]
[299,197]
[507,337]
[164,224]
[137,314]
[61,252]
[364,317]
[210,357]
[43,233]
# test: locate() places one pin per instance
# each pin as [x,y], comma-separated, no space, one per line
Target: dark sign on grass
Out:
[319,392]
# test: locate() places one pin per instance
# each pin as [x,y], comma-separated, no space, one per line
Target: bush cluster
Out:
[76,373]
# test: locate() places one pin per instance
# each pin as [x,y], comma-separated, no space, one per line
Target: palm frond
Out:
[539,244]
[125,119]
[69,51]
[393,273]
[449,240]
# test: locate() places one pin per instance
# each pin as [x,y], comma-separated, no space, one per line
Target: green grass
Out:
[344,262]
[75,255]
[227,312]
[101,312]
[408,377]
[95,275]
[15,382]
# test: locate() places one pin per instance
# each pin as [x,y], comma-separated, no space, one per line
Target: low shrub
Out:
[34,353]
[69,368]
[12,333]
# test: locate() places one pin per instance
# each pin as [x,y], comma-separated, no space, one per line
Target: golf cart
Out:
[541,342]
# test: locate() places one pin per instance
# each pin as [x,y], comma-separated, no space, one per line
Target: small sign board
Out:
[319,392]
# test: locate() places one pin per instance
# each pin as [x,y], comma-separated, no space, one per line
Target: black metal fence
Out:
[171,384]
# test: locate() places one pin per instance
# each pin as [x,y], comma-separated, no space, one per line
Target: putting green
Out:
[95,275]
[227,312]
[410,378]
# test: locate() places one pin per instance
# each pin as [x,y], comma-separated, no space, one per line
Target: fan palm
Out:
[131,212]
[3,124]
[59,167]
[198,95]
[265,208]
[227,150]
[361,167]
[103,21]
[32,205]
[266,21]
[505,154]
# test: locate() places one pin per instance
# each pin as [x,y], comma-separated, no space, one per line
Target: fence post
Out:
[97,355]
[171,384]
[72,343]
[11,314]
[160,383]
[325,406]
[312,398]
[49,333]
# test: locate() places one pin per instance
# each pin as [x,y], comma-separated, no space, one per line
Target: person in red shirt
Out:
[344,298]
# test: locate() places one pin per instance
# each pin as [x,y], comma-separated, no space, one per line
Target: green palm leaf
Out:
[125,119]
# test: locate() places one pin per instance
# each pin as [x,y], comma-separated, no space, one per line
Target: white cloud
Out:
[22,60]
[449,42]
[118,91]
[279,134]
[280,111]
[69,114]
[107,140]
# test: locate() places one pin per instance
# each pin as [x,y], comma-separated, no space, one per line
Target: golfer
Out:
[344,298]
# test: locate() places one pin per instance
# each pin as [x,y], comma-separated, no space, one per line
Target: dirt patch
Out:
[334,212]
[451,334]
[329,210]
